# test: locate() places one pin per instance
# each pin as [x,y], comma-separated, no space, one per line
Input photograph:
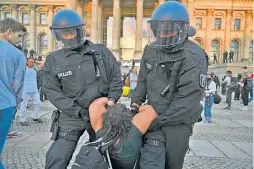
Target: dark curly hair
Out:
[117,121]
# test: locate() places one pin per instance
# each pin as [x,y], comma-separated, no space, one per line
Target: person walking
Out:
[209,98]
[30,91]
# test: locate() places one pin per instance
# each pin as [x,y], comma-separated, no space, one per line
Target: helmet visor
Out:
[71,37]
[163,34]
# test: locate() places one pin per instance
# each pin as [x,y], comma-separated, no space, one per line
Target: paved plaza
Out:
[227,143]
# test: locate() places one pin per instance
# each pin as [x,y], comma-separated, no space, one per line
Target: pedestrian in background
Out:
[252,88]
[225,57]
[246,87]
[231,84]
[209,98]
[12,65]
[133,81]
[30,91]
[223,86]
[39,84]
[215,61]
[238,89]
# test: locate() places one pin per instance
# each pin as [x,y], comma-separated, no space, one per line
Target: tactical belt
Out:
[155,143]
[68,136]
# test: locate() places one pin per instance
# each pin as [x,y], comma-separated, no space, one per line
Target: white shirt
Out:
[227,80]
[30,81]
[211,88]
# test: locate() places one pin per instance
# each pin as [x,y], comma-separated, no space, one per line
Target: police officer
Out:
[172,76]
[73,77]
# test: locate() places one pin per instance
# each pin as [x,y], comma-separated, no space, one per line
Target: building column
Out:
[79,8]
[15,12]
[82,4]
[247,29]
[94,23]
[116,29]
[49,20]
[227,30]
[71,4]
[32,33]
[209,27]
[139,29]
[190,6]
[100,22]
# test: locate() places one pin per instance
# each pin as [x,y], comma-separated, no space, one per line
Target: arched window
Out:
[198,42]
[235,48]
[42,44]
[58,45]
[25,41]
[251,52]
[215,48]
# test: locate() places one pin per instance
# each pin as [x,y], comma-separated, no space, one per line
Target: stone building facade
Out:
[222,25]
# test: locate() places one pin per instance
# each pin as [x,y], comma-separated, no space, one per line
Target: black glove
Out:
[134,108]
[200,119]
[156,124]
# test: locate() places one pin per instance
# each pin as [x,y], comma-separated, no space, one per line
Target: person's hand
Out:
[98,104]
[111,103]
[148,108]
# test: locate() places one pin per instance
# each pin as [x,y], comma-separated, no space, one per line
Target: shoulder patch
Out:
[202,80]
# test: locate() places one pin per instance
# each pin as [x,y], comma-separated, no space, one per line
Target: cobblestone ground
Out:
[227,143]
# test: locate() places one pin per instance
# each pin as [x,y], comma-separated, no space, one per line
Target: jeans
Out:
[6,116]
[208,106]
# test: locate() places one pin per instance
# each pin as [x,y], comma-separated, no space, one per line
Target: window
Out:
[25,19]
[43,18]
[237,24]
[25,41]
[7,14]
[198,42]
[104,32]
[251,52]
[217,23]
[215,48]
[199,23]
[235,48]
[43,44]
[58,45]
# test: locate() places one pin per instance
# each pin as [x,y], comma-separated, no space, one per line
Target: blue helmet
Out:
[68,28]
[169,25]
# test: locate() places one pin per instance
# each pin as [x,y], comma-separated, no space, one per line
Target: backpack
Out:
[90,157]
[94,155]
[233,84]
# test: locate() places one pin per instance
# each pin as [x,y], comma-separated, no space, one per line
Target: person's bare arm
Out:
[144,118]
[96,111]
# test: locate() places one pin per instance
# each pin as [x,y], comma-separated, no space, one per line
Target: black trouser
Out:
[42,94]
[223,90]
[245,96]
[237,94]
[225,59]
[172,155]
[229,97]
[231,59]
[60,152]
